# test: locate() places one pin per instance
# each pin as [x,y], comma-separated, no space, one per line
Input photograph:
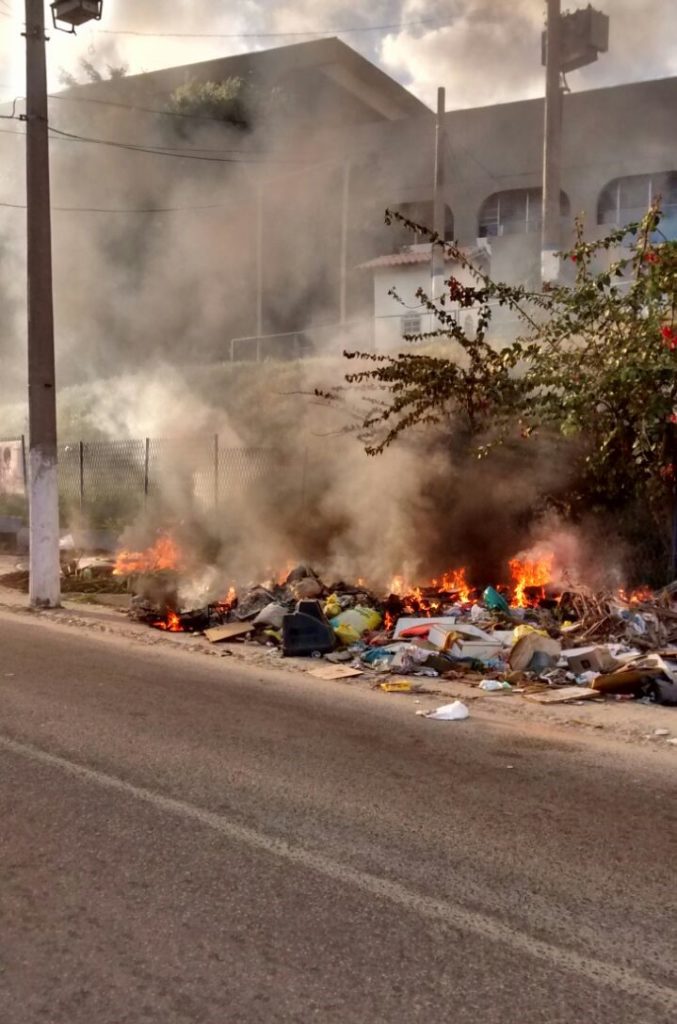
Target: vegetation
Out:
[594,370]
[89,72]
[220,101]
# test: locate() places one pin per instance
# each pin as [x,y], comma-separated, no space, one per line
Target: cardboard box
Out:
[590,659]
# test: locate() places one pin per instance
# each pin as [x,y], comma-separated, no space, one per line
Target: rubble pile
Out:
[574,646]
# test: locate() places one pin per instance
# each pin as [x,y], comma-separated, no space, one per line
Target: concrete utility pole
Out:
[551,237]
[437,261]
[42,459]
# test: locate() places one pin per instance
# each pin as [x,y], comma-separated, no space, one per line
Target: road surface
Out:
[185,840]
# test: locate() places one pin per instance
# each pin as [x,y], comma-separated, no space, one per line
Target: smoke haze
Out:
[162,294]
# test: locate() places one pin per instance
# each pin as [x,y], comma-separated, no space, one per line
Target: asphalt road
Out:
[186,840]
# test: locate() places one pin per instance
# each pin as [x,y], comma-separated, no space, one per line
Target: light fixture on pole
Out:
[75,12]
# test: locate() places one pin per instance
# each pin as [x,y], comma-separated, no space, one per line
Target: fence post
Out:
[216,470]
[146,472]
[304,479]
[82,475]
[23,464]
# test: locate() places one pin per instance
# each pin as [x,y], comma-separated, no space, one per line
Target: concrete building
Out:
[304,194]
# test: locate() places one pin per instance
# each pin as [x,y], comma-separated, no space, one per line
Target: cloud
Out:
[491,51]
[483,51]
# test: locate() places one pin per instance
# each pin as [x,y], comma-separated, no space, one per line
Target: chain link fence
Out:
[111,481]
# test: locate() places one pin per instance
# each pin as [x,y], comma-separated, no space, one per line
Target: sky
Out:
[482,51]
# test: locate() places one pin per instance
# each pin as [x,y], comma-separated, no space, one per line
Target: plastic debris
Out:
[455,712]
[495,686]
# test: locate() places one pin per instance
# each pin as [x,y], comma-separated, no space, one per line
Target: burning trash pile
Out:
[549,644]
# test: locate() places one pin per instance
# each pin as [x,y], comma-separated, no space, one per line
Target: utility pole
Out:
[551,232]
[437,258]
[345,205]
[42,459]
[259,257]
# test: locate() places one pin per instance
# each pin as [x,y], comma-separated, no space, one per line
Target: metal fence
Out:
[111,480]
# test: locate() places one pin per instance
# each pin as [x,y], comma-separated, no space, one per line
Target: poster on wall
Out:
[11,468]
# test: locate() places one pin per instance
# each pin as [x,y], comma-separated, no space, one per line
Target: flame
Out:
[388,621]
[638,596]
[163,555]
[172,624]
[527,574]
[415,601]
[455,580]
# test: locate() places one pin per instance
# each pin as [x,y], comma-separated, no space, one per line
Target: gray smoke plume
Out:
[143,301]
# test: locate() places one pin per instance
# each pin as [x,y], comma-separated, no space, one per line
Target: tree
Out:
[595,367]
[220,101]
[92,73]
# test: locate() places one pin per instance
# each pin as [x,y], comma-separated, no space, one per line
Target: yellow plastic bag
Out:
[524,630]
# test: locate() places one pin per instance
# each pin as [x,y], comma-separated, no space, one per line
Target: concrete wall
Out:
[389,313]
[608,133]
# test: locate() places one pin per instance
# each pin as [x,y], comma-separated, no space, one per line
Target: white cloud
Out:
[484,51]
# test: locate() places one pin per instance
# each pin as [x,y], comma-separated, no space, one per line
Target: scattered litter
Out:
[455,712]
[396,686]
[335,672]
[661,732]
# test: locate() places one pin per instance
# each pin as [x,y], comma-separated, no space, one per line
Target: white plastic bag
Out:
[455,712]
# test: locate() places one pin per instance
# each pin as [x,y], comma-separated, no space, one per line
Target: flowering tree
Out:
[596,363]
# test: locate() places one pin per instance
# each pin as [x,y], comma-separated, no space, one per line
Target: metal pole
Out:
[437,260]
[551,237]
[44,495]
[82,475]
[216,470]
[344,244]
[259,257]
[146,472]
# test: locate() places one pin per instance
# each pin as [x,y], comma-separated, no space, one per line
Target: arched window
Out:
[627,199]
[514,212]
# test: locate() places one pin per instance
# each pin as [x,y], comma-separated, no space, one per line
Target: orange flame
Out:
[638,596]
[172,624]
[455,579]
[527,574]
[163,555]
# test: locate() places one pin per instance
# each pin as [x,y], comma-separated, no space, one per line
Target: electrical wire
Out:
[272,35]
[156,151]
[108,209]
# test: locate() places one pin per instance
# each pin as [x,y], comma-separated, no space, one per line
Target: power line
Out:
[133,106]
[273,35]
[156,151]
[108,209]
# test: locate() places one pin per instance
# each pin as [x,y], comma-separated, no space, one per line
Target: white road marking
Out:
[610,975]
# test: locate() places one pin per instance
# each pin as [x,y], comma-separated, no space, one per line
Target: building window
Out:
[514,212]
[625,200]
[411,324]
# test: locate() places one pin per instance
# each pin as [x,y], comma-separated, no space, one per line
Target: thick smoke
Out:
[146,305]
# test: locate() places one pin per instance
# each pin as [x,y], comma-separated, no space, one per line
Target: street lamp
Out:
[75,12]
[43,488]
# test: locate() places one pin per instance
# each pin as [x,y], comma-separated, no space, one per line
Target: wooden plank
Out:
[335,672]
[231,631]
[562,695]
